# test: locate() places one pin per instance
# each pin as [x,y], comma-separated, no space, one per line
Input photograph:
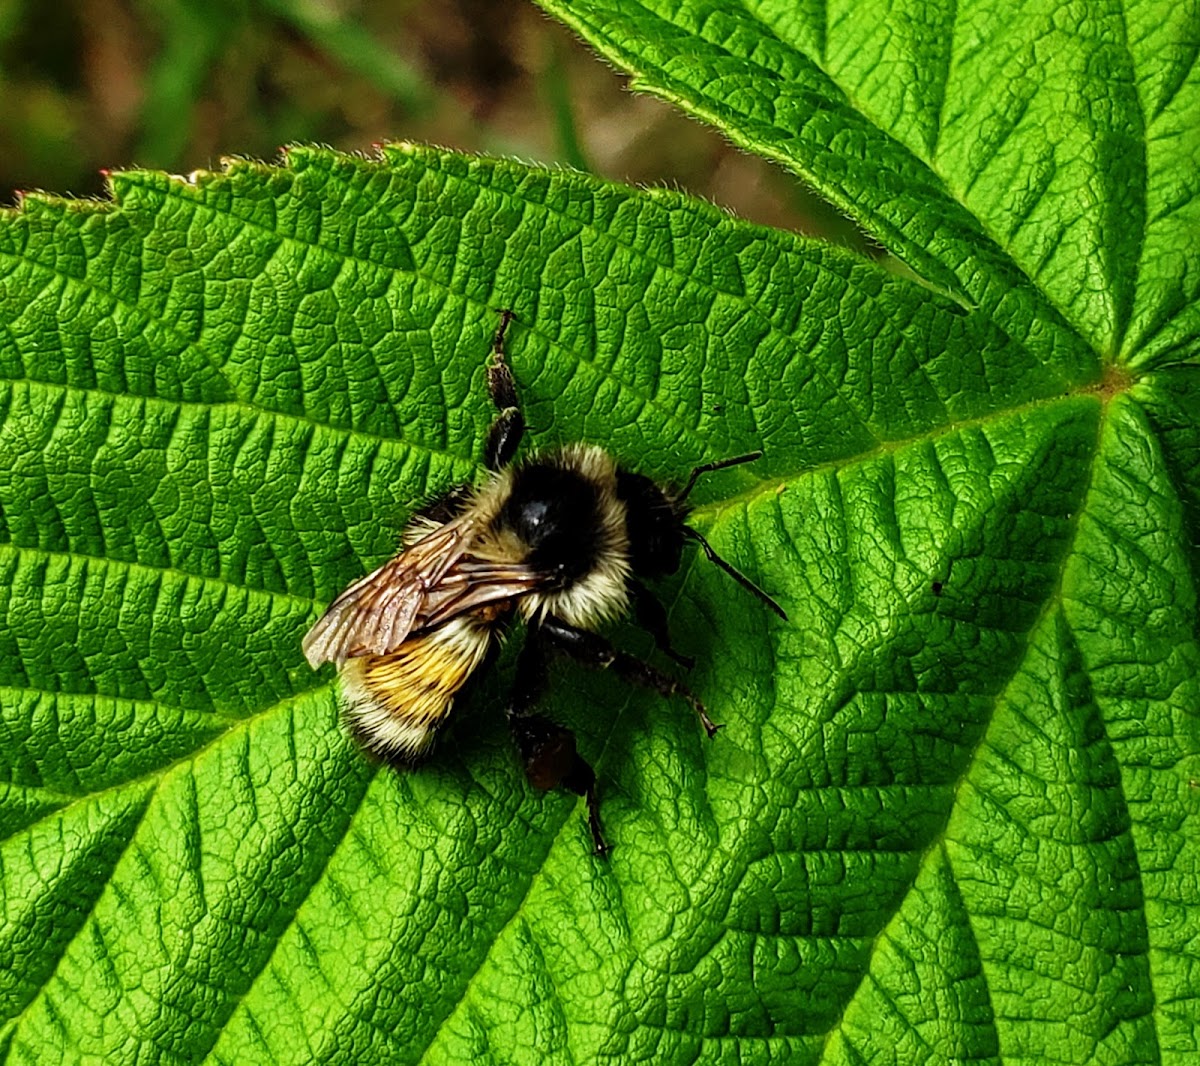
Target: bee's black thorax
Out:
[655,525]
[556,512]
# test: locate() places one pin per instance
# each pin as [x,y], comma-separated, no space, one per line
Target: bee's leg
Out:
[509,426]
[530,681]
[651,615]
[591,649]
[448,505]
[548,749]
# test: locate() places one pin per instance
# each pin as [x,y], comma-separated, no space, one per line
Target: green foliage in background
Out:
[953,815]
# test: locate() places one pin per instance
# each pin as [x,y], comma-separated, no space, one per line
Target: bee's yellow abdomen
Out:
[394,703]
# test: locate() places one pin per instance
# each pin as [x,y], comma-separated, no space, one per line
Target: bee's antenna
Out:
[708,468]
[733,572]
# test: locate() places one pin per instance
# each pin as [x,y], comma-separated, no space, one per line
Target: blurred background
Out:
[177,84]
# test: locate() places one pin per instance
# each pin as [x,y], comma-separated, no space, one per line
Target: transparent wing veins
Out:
[432,581]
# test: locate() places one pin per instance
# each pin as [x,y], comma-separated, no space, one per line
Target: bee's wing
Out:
[376,613]
[474,583]
[425,585]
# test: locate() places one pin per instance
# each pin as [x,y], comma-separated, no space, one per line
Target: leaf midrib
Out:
[254,411]
[770,486]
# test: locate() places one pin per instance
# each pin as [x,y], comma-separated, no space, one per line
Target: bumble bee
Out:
[562,540]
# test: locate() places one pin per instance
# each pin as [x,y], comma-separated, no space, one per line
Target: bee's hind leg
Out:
[506,430]
[547,749]
[591,649]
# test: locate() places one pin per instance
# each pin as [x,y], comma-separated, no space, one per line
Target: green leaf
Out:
[1043,156]
[952,814]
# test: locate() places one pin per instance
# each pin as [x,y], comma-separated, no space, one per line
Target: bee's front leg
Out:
[506,431]
[548,749]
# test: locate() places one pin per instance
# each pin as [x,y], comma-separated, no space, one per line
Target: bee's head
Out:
[655,525]
[657,530]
